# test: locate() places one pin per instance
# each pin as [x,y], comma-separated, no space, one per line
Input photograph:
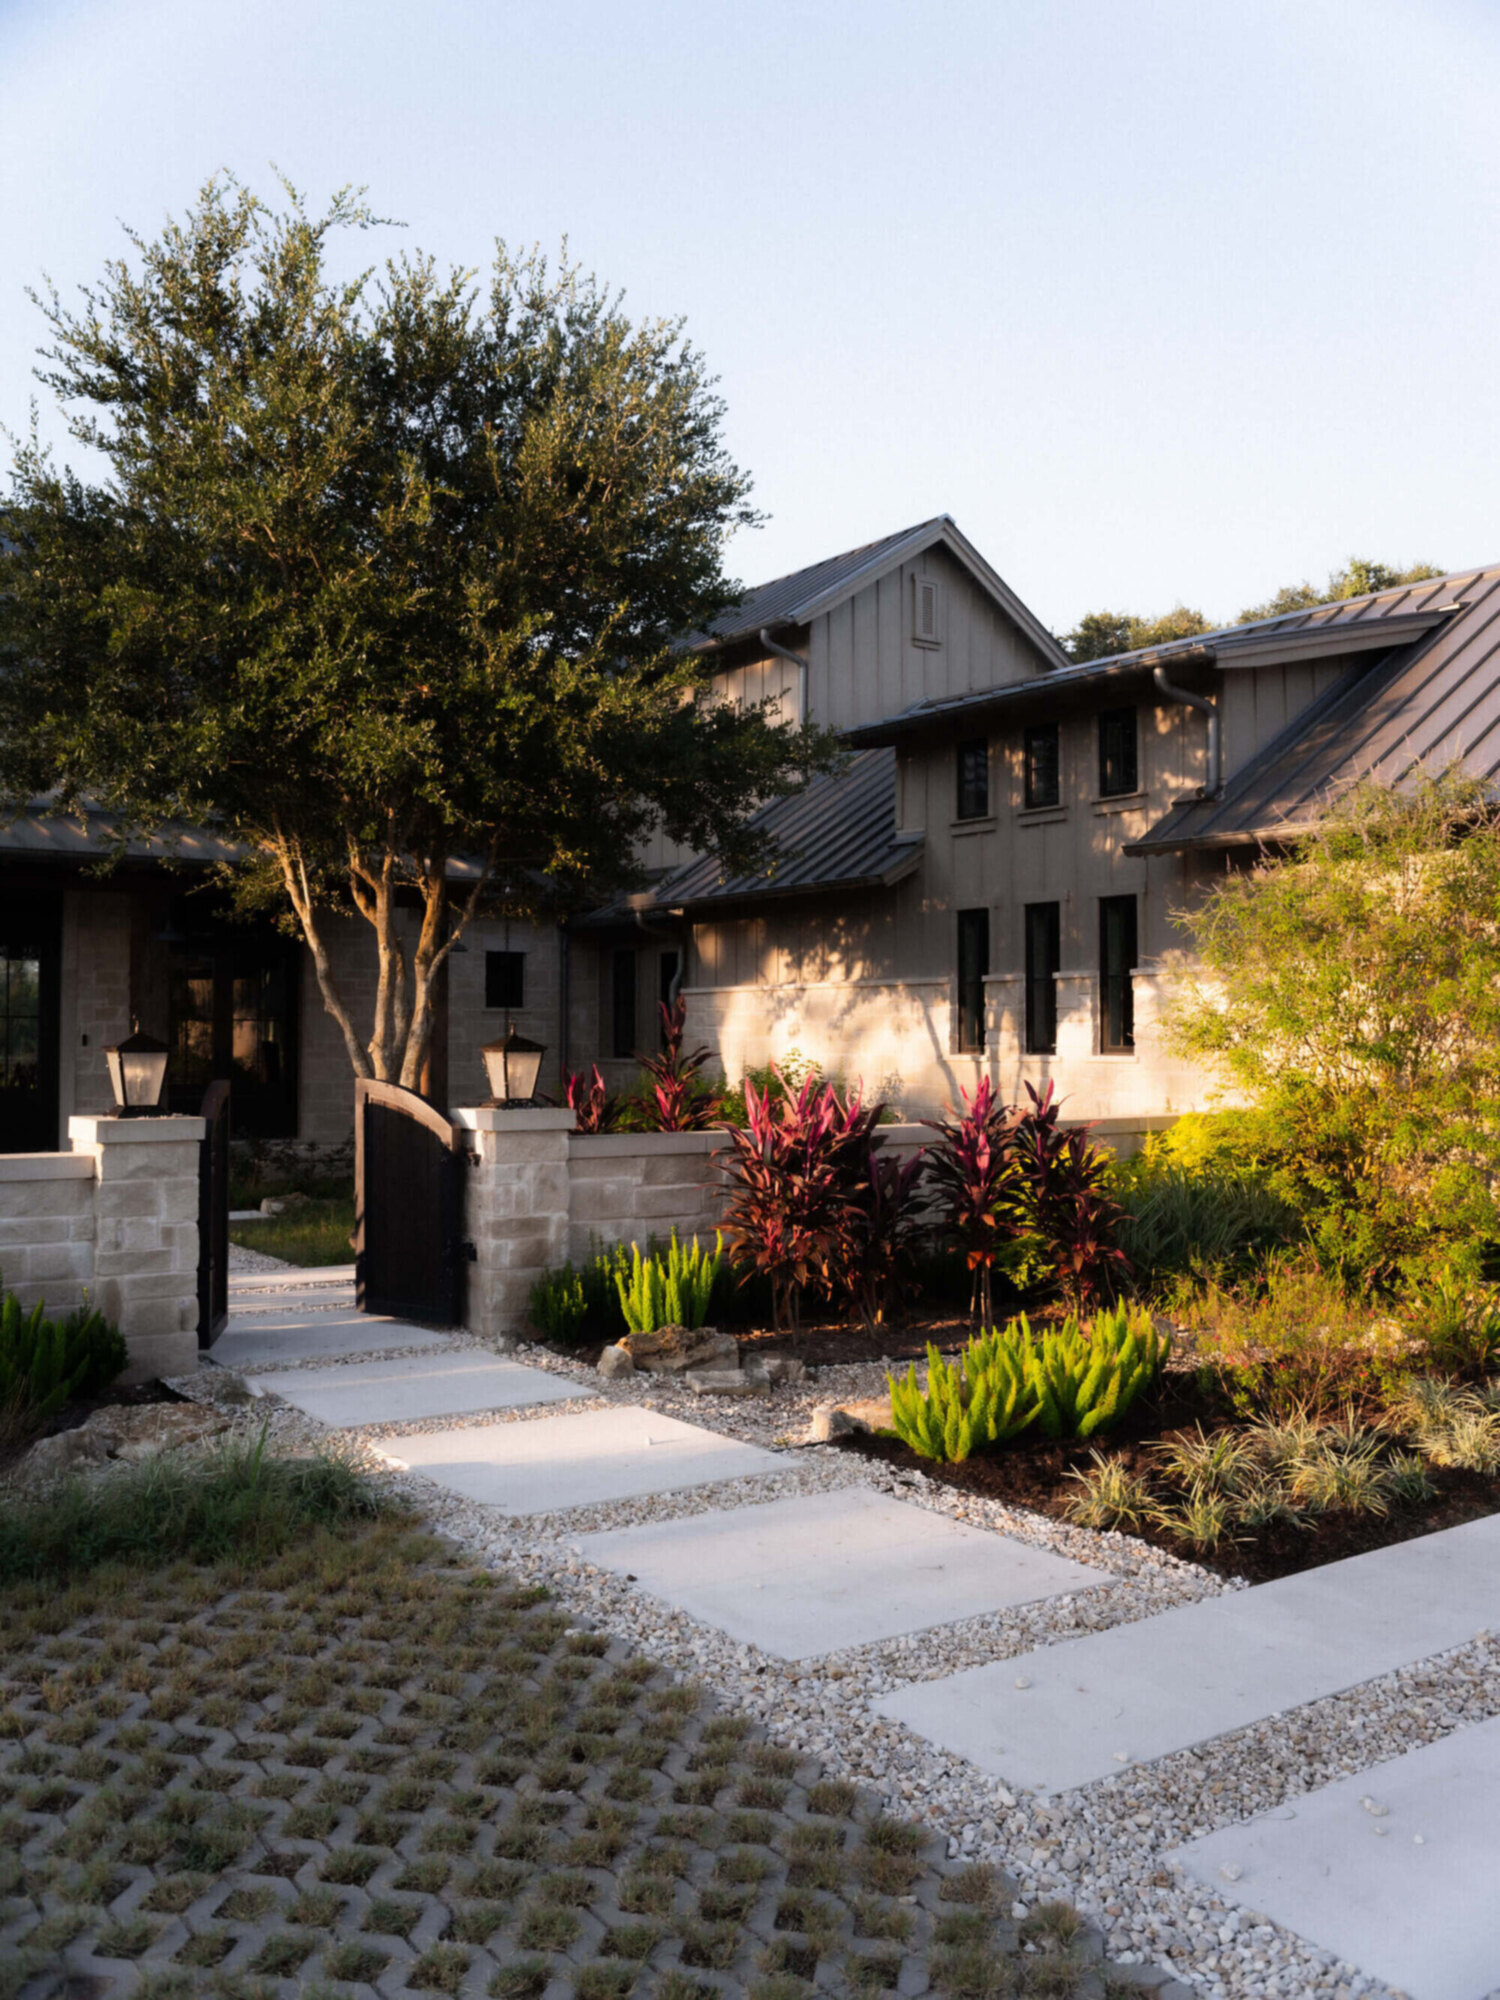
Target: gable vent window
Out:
[925,612]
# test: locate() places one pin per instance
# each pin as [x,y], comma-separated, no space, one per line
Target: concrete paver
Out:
[1394,1869]
[309,1333]
[410,1387]
[814,1574]
[578,1460]
[1072,1713]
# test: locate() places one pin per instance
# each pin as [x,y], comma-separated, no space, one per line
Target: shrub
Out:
[594,1106]
[674,1290]
[1069,1206]
[572,1306]
[1198,1221]
[795,1174]
[233,1502]
[980,1193]
[1067,1384]
[871,1251]
[46,1363]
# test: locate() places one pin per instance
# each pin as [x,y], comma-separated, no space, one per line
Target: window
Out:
[1118,769]
[1117,942]
[505,979]
[232,1009]
[925,611]
[974,778]
[973,965]
[1043,953]
[622,996]
[1043,786]
[30,940]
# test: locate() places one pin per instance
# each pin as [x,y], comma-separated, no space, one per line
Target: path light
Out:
[137,1071]
[513,1066]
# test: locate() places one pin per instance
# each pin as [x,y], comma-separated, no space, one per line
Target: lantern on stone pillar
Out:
[513,1066]
[137,1071]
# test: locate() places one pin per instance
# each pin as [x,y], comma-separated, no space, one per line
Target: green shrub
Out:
[1072,1383]
[674,1290]
[1198,1218]
[233,1502]
[573,1306]
[46,1363]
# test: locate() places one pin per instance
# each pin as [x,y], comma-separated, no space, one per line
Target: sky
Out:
[1162,300]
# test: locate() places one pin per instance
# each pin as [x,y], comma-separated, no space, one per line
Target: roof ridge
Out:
[843,555]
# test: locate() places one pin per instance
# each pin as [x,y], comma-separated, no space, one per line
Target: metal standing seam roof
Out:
[1433,700]
[805,593]
[839,833]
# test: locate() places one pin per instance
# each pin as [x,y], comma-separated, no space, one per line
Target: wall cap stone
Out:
[164,1131]
[46,1167]
[502,1118]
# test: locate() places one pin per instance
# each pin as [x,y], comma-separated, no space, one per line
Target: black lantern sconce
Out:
[137,1072]
[513,1066]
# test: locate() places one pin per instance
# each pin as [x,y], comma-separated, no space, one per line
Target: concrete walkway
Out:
[1392,1868]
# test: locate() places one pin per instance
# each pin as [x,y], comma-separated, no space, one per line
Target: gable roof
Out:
[806,593]
[1434,699]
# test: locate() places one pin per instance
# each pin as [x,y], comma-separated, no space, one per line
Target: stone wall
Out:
[540,1195]
[114,1224]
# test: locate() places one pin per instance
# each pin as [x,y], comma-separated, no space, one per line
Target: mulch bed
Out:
[1036,1476]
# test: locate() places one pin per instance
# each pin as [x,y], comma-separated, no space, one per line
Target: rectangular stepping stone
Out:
[413,1386]
[553,1463]
[815,1574]
[1405,1892]
[1078,1711]
[290,1333]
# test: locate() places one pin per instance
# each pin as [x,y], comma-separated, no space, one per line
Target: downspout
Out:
[1211,710]
[799,661]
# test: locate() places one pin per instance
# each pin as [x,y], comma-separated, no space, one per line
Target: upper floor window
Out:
[1043,786]
[974,778]
[1119,766]
[926,612]
[505,979]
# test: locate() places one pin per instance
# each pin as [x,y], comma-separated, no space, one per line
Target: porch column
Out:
[516,1206]
[146,1236]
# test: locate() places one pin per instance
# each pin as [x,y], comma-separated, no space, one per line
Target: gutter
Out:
[1211,710]
[799,661]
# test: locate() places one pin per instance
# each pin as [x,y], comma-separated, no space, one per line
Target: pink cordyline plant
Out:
[684,1101]
[1066,1177]
[979,1186]
[594,1107]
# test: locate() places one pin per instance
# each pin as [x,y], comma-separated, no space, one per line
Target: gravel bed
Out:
[243,1262]
[1102,1846]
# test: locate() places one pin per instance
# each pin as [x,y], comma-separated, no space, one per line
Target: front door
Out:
[30,948]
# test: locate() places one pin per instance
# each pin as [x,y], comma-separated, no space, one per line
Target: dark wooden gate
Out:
[213,1214]
[409,1252]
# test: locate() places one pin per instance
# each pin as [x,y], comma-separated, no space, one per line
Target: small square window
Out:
[1119,769]
[1043,786]
[974,778]
[505,979]
[926,611]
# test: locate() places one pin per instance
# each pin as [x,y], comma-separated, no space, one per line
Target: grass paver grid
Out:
[363,1769]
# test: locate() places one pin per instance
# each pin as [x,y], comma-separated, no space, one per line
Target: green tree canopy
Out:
[1350,989]
[1358,578]
[1099,635]
[387,574]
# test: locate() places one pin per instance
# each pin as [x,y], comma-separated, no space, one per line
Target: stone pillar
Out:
[515,1208]
[146,1235]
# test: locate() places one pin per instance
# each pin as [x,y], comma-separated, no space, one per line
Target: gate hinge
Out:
[467,1254]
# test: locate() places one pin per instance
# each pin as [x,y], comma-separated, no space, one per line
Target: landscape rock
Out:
[672,1349]
[717,1381]
[285,1204]
[615,1362]
[127,1431]
[784,1367]
[65,1452]
[833,1420]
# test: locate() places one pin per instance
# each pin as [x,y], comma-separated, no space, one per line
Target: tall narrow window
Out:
[974,778]
[1119,769]
[1043,767]
[973,966]
[1043,953]
[668,976]
[1117,948]
[924,611]
[505,979]
[623,1039]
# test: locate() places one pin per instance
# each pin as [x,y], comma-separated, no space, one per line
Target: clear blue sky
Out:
[1159,298]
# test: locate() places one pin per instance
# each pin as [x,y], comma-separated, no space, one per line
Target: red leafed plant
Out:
[883,1217]
[979,1186]
[1066,1177]
[684,1099]
[594,1106]
[796,1173]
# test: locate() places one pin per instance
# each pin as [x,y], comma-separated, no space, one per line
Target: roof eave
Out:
[901,865]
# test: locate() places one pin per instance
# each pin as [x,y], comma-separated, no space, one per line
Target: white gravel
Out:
[1101,1846]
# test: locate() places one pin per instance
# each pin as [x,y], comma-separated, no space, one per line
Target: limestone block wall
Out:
[112,1223]
[515,1208]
